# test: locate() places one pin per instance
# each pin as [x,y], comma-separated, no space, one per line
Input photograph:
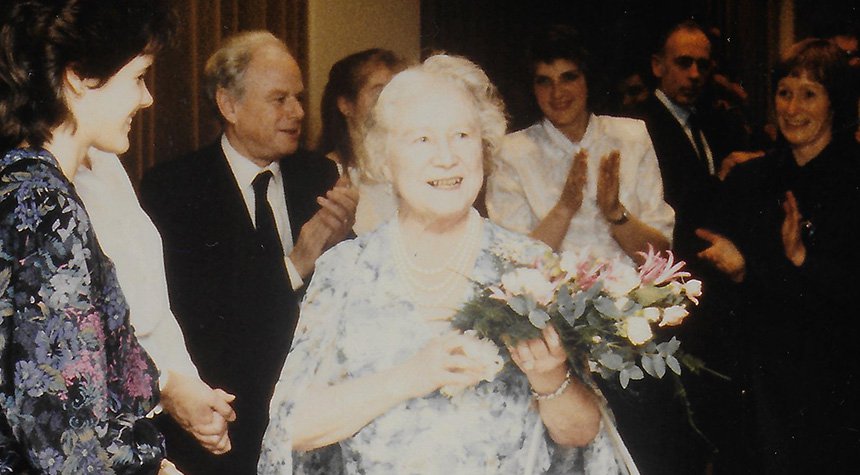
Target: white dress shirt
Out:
[682,115]
[128,237]
[244,171]
[531,170]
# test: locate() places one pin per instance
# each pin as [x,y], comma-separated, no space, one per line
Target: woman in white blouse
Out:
[577,179]
[132,242]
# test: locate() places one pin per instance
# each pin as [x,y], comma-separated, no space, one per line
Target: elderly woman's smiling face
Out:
[434,150]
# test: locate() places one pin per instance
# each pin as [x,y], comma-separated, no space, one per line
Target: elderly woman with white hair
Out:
[375,345]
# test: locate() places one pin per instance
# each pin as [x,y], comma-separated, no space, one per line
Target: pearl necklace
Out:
[451,272]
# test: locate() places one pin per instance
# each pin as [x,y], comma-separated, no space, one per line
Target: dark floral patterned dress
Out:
[76,385]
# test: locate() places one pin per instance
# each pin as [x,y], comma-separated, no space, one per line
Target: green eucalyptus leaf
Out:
[606,306]
[611,361]
[673,364]
[649,295]
[519,305]
[538,318]
[669,348]
[648,365]
[580,304]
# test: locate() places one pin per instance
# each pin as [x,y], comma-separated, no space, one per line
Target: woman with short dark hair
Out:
[791,238]
[76,384]
[575,178]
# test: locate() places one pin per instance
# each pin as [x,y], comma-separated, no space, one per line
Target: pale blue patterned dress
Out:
[357,319]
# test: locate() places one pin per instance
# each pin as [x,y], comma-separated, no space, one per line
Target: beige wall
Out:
[337,28]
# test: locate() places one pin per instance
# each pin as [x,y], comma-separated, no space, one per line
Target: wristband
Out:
[547,397]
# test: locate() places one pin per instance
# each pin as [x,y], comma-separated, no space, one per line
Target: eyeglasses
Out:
[686,62]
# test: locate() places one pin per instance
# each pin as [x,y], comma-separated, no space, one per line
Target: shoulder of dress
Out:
[346,252]
[625,128]
[518,146]
[22,180]
[501,237]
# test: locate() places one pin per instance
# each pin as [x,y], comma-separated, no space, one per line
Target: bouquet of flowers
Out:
[606,312]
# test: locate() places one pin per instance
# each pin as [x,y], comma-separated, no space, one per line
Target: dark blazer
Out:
[687,185]
[235,305]
[709,333]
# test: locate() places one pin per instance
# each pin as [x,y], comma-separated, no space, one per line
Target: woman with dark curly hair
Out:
[791,240]
[76,384]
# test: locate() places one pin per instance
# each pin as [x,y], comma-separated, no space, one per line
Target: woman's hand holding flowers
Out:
[445,361]
[543,361]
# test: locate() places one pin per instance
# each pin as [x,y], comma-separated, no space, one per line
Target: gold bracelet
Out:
[547,397]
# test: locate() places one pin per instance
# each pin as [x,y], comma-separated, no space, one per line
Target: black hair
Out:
[41,39]
[345,79]
[565,42]
[559,42]
[826,64]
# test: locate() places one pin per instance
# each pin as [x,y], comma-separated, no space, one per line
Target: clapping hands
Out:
[571,194]
[330,225]
[792,241]
[608,187]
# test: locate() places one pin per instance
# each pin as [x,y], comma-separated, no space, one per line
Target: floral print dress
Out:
[76,384]
[357,319]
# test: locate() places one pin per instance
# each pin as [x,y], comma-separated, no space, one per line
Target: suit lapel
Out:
[226,194]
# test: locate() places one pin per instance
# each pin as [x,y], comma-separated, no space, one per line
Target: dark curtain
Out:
[181,120]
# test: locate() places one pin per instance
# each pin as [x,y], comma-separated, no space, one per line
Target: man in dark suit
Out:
[692,140]
[243,221]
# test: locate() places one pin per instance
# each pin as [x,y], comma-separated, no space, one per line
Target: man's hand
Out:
[330,225]
[200,410]
[341,203]
[736,158]
[571,194]
[723,254]
[792,241]
[608,186]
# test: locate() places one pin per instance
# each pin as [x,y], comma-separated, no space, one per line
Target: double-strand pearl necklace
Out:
[436,287]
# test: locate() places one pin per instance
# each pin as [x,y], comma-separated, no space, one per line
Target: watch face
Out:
[622,219]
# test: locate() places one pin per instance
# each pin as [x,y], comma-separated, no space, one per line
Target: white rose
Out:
[530,282]
[571,261]
[482,351]
[673,316]
[638,330]
[651,313]
[693,289]
[619,279]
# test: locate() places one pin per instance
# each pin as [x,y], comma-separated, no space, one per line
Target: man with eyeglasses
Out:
[691,140]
